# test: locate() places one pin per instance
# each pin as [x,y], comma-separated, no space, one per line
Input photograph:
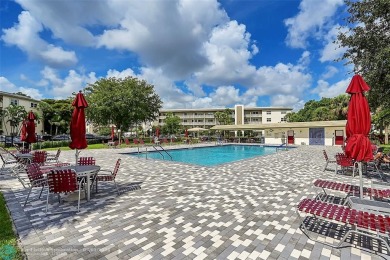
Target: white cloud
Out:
[283,100]
[330,72]
[32,92]
[66,19]
[120,74]
[63,88]
[331,50]
[25,36]
[189,50]
[166,34]
[225,96]
[309,22]
[323,89]
[228,55]
[7,86]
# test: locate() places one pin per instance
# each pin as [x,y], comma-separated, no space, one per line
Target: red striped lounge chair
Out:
[372,225]
[351,190]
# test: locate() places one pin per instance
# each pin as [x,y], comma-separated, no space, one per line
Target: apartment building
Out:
[6,99]
[205,117]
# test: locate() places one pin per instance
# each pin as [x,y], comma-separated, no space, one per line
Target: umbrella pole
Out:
[77,155]
[361,179]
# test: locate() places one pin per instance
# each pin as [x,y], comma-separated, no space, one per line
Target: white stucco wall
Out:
[301,135]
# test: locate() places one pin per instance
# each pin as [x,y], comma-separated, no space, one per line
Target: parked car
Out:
[44,137]
[97,137]
[9,140]
[61,138]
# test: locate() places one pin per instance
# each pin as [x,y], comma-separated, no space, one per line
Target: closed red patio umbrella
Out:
[358,125]
[112,133]
[158,132]
[77,124]
[30,128]
[186,133]
[23,131]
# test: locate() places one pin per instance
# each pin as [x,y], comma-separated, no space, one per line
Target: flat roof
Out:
[221,109]
[3,93]
[337,123]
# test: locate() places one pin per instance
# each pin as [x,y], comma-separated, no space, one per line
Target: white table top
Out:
[81,169]
[24,155]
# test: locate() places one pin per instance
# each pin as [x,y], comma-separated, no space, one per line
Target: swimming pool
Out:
[210,156]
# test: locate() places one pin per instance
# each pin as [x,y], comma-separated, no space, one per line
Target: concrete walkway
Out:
[169,210]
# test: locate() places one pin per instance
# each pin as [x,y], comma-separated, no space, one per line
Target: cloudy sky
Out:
[197,53]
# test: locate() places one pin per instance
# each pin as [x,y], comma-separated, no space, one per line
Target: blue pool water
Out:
[211,156]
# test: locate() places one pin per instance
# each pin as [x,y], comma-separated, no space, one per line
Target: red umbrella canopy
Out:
[358,121]
[158,132]
[186,133]
[23,131]
[112,133]
[30,128]
[77,123]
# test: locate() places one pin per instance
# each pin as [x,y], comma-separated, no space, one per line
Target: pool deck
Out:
[170,210]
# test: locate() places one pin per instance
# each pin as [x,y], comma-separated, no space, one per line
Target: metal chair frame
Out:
[36,179]
[108,177]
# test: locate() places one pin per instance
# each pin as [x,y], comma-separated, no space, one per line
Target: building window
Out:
[210,120]
[268,113]
[255,113]
[268,119]
[14,102]
[33,104]
[284,112]
[185,121]
[283,119]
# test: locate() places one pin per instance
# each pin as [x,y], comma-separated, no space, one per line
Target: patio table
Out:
[83,171]
[24,157]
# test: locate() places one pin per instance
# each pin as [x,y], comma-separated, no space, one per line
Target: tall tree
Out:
[123,102]
[323,110]
[172,124]
[381,120]
[224,117]
[52,110]
[13,116]
[367,40]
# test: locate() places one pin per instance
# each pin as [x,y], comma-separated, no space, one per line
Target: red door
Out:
[290,137]
[339,137]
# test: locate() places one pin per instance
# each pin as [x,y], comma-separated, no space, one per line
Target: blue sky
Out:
[197,53]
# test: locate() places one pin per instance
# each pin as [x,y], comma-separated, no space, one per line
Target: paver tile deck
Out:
[170,210]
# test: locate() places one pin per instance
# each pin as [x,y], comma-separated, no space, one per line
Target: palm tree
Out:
[14,115]
[339,106]
[57,121]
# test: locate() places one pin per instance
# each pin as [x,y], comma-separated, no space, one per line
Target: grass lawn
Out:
[8,242]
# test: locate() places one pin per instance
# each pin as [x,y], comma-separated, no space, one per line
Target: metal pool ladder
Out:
[162,150]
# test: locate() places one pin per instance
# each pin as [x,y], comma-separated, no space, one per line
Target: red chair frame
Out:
[376,226]
[63,181]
